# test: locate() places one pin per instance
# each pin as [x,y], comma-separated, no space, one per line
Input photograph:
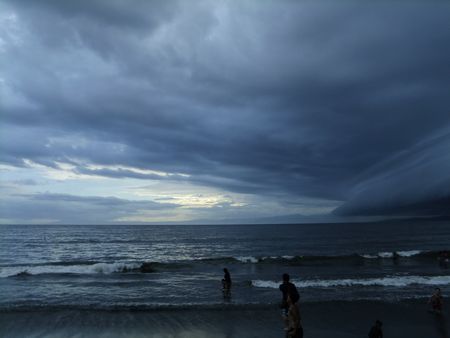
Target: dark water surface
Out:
[97,267]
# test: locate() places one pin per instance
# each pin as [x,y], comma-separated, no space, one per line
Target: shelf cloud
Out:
[283,107]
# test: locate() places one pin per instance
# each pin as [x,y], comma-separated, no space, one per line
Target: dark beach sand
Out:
[320,320]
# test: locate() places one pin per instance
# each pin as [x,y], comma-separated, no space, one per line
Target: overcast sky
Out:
[218,111]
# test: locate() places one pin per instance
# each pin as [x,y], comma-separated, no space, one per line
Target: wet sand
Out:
[320,320]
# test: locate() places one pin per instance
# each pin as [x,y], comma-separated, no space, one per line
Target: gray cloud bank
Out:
[344,101]
[50,208]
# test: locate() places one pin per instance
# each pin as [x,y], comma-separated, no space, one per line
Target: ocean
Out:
[79,270]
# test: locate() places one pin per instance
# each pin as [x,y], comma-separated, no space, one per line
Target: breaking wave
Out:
[394,254]
[92,267]
[99,268]
[304,259]
[395,281]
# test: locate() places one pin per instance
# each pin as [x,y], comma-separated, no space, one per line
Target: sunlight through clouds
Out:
[223,111]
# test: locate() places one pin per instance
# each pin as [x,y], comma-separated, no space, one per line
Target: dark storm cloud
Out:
[282,98]
[138,14]
[413,182]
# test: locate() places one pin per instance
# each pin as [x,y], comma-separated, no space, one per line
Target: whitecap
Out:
[247,259]
[386,254]
[100,268]
[395,281]
[409,253]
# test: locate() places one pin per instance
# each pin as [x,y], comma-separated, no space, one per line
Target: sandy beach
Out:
[320,320]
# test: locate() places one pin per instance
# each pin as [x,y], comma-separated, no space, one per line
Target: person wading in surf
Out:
[436,301]
[294,328]
[288,288]
[226,283]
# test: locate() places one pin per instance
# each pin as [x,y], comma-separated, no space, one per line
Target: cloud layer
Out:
[300,106]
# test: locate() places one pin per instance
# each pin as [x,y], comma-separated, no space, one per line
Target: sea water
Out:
[99,266]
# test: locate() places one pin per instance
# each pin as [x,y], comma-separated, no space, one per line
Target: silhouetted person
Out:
[376,331]
[288,288]
[294,327]
[436,301]
[226,283]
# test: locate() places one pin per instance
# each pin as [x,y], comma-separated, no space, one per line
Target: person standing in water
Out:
[436,301]
[226,283]
[294,328]
[288,288]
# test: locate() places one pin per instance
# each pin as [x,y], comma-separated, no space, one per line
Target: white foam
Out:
[265,258]
[265,284]
[396,281]
[385,254]
[104,268]
[247,259]
[409,253]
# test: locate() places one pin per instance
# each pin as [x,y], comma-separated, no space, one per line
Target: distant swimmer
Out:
[294,328]
[226,283]
[436,301]
[376,331]
[288,288]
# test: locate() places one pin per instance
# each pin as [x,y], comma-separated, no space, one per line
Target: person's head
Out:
[225,270]
[286,277]
[378,323]
[437,291]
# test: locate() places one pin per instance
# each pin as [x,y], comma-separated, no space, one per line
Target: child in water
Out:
[294,328]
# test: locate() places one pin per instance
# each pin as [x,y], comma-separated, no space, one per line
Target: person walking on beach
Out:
[226,283]
[376,331]
[294,328]
[288,288]
[436,301]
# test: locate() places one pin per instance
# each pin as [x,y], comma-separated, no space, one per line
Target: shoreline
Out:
[337,319]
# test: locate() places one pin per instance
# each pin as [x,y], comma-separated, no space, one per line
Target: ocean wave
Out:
[56,263]
[386,254]
[247,259]
[93,266]
[251,259]
[395,281]
[87,267]
[300,259]
[97,268]
[409,253]
[305,259]
[225,260]
[397,254]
